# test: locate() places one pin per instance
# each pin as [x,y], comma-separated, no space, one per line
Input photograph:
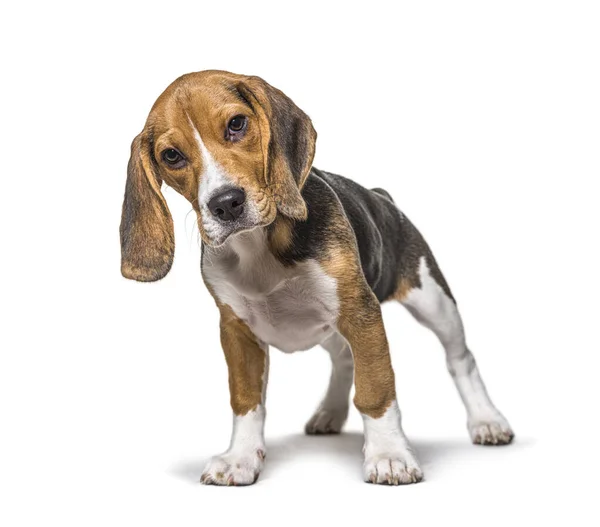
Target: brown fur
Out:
[271,163]
[246,362]
[281,234]
[276,112]
[260,162]
[147,238]
[404,287]
[408,271]
[357,236]
[361,324]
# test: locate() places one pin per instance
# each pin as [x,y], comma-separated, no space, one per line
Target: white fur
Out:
[295,308]
[434,309]
[213,175]
[244,459]
[333,410]
[213,178]
[292,308]
[388,457]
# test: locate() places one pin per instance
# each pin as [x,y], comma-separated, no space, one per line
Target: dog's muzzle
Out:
[229,211]
[228,205]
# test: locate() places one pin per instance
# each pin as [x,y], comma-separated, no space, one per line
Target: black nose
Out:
[228,205]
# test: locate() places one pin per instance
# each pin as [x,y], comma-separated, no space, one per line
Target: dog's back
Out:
[294,257]
[389,244]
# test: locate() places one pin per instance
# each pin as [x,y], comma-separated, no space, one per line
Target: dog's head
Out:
[238,149]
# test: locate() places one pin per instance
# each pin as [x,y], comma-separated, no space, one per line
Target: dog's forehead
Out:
[195,110]
[196,95]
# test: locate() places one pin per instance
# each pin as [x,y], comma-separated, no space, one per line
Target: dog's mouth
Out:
[217,235]
[231,211]
[217,232]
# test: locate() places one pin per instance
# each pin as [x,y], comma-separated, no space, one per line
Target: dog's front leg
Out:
[247,361]
[388,456]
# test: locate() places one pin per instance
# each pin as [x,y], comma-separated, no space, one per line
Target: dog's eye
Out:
[173,158]
[236,126]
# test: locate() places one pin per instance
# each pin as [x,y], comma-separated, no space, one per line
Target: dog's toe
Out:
[393,469]
[233,469]
[491,432]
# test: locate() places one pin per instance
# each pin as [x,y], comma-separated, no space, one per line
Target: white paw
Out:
[326,421]
[234,468]
[495,431]
[398,468]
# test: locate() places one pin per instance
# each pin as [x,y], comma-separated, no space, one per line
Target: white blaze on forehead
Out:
[213,179]
[213,176]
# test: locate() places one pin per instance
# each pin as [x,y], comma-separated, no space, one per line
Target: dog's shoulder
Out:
[378,227]
[333,203]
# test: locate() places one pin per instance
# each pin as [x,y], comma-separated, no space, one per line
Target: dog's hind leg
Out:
[425,293]
[331,414]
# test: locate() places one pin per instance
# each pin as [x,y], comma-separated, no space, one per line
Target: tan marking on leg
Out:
[360,323]
[246,361]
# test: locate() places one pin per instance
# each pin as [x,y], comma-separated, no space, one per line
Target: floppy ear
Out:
[147,237]
[288,142]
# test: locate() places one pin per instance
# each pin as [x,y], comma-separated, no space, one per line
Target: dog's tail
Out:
[383,193]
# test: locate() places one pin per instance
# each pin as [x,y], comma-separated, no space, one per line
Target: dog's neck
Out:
[275,238]
[249,245]
[248,262]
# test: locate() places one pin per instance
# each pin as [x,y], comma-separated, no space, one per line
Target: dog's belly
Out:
[291,313]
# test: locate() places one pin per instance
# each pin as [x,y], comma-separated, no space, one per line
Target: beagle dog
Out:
[293,257]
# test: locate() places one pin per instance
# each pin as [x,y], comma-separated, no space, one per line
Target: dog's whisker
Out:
[318,280]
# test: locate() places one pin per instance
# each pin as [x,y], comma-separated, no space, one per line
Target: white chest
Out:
[291,308]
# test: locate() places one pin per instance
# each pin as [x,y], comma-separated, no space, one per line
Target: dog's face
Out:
[238,149]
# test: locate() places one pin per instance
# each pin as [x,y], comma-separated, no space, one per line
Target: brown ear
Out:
[147,237]
[288,142]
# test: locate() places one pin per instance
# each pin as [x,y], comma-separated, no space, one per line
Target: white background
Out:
[482,119]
